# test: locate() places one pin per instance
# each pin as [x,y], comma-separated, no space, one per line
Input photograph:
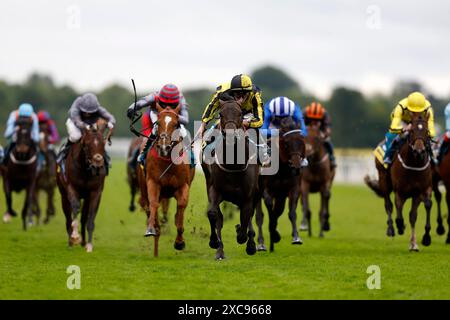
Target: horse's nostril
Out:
[98,157]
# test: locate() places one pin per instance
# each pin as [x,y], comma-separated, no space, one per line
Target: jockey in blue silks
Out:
[277,109]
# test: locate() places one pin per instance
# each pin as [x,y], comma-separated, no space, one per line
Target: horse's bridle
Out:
[164,135]
[238,107]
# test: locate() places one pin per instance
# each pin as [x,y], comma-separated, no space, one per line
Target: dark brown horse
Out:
[284,184]
[83,178]
[410,176]
[20,171]
[442,173]
[233,181]
[132,177]
[157,184]
[46,178]
[316,177]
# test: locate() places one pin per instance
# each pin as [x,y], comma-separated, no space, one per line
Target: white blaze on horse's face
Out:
[420,127]
[167,120]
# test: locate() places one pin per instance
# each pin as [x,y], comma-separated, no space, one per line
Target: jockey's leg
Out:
[74,136]
[443,147]
[391,145]
[151,139]
[329,147]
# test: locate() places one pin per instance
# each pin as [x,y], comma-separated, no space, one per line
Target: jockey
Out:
[84,112]
[248,95]
[316,112]
[168,96]
[44,118]
[446,137]
[415,102]
[25,110]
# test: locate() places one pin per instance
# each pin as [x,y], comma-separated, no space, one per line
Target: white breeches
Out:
[73,131]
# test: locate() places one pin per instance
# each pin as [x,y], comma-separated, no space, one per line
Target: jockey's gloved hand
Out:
[110,125]
[131,112]
[88,127]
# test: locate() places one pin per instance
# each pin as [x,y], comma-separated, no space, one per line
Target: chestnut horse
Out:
[157,184]
[284,184]
[21,170]
[234,182]
[83,178]
[132,176]
[46,178]
[316,177]
[410,176]
[441,172]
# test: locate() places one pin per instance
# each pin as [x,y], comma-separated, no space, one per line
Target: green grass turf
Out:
[33,263]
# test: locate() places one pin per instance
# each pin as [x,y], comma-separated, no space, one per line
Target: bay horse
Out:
[21,170]
[132,177]
[275,189]
[46,177]
[158,182]
[234,182]
[82,178]
[318,176]
[410,176]
[441,172]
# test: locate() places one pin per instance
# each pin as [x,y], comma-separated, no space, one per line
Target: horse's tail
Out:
[374,185]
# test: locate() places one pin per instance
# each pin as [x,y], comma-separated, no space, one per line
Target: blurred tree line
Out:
[358,121]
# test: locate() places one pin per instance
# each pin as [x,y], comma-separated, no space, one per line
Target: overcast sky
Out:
[363,44]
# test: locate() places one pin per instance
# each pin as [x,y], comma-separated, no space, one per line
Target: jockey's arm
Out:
[53,130]
[298,118]
[10,124]
[184,114]
[35,128]
[396,122]
[75,114]
[431,129]
[107,116]
[258,111]
[143,102]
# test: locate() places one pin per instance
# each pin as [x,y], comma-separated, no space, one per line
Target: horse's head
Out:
[418,137]
[43,134]
[93,145]
[291,142]
[231,119]
[168,122]
[24,143]
[314,140]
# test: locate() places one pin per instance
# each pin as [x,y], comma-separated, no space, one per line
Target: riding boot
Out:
[388,156]
[148,145]
[329,147]
[442,150]
[2,155]
[63,152]
[191,151]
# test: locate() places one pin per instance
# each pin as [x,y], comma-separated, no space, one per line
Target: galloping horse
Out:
[233,182]
[20,170]
[317,177]
[83,178]
[410,176]
[157,184]
[284,184]
[46,178]
[442,173]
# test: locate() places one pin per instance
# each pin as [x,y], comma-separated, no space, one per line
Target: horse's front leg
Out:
[94,203]
[412,220]
[294,195]
[274,214]
[50,205]
[35,207]
[74,202]
[215,242]
[447,199]
[259,217]
[306,221]
[440,230]
[8,195]
[153,192]
[399,202]
[182,197]
[165,210]
[426,240]
[27,210]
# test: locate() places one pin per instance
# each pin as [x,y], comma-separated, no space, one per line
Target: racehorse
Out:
[441,172]
[284,184]
[410,176]
[316,177]
[46,178]
[81,176]
[233,182]
[163,179]
[20,171]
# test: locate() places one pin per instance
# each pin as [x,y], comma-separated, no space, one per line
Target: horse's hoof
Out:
[251,249]
[89,247]
[220,255]
[400,226]
[326,226]
[426,240]
[75,240]
[151,232]
[275,236]
[179,245]
[261,247]
[390,232]
[46,220]
[303,226]
[214,244]
[297,240]
[414,248]
[7,218]
[241,237]
[440,230]
[132,208]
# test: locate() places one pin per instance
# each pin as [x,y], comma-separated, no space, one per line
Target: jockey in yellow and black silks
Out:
[415,102]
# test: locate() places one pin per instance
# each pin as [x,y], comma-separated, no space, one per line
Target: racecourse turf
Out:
[33,263]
